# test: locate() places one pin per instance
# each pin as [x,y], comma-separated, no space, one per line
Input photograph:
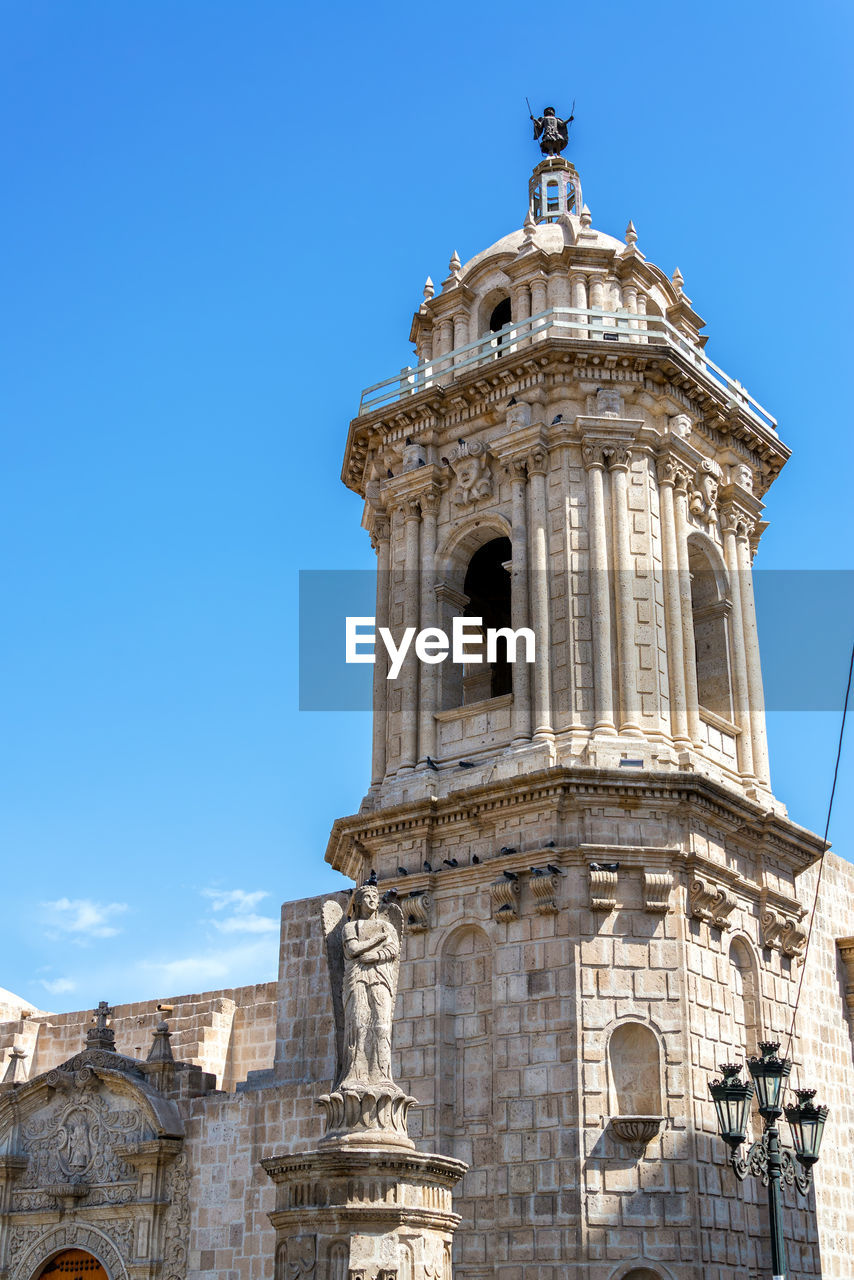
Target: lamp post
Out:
[766,1159]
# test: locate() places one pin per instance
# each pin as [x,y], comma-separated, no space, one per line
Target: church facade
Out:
[603,899]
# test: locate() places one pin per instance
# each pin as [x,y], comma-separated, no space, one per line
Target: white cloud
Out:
[237,898]
[242,918]
[84,917]
[58,986]
[218,967]
[250,923]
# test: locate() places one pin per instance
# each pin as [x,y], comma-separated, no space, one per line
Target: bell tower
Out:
[585,846]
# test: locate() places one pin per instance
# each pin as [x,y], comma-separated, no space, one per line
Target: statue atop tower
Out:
[551,132]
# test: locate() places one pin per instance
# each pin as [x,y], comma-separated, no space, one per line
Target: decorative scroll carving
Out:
[505,899]
[418,906]
[544,887]
[656,891]
[781,932]
[75,1141]
[177,1236]
[710,903]
[602,884]
[470,464]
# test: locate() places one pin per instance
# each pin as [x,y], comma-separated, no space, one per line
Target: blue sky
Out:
[217,221]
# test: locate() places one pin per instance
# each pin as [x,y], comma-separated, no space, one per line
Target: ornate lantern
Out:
[731,1096]
[768,1073]
[806,1122]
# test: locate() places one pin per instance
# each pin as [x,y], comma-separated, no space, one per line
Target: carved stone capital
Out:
[430,500]
[673,471]
[505,899]
[737,521]
[618,457]
[656,891]
[710,903]
[517,470]
[593,456]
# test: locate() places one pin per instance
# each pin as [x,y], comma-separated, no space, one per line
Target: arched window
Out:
[745,998]
[552,197]
[73,1264]
[487,585]
[635,1071]
[710,609]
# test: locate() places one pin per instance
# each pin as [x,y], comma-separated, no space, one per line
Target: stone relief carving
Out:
[75,1140]
[656,891]
[519,415]
[544,888]
[111,1241]
[710,903]
[703,500]
[505,899]
[602,883]
[609,403]
[296,1257]
[781,932]
[418,906]
[741,474]
[471,467]
[681,425]
[177,1235]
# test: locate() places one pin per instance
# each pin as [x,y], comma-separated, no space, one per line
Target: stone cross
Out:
[100,1036]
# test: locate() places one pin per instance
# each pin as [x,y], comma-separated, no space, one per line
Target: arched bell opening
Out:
[485,595]
[710,609]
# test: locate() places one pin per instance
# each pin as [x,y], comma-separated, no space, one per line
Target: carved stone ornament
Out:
[703,500]
[417,907]
[505,899]
[470,465]
[656,891]
[742,475]
[518,415]
[782,932]
[609,403]
[845,946]
[544,888]
[602,884]
[296,1258]
[637,1132]
[681,425]
[363,955]
[710,903]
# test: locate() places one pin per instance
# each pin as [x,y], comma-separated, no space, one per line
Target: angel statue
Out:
[363,952]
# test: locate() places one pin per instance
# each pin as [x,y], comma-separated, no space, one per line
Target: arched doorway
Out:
[73,1264]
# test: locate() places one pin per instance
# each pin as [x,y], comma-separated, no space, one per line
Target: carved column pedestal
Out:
[364,1213]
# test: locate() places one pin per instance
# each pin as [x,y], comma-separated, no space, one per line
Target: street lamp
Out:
[766,1159]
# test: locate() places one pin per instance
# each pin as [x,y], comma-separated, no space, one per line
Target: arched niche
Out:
[710,609]
[634,1071]
[744,994]
[73,1264]
[466,1030]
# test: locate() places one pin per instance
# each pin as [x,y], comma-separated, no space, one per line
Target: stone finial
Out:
[429,289]
[363,956]
[631,235]
[678,280]
[586,217]
[530,228]
[454,265]
[15,1072]
[161,1046]
[101,1036]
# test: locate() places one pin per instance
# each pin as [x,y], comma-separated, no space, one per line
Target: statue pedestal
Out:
[364,1212]
[366,1115]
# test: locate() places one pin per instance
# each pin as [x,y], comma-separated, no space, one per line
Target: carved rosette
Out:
[505,899]
[656,891]
[710,903]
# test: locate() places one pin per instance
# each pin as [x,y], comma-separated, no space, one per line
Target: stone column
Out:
[619,462]
[538,464]
[672,605]
[411,607]
[521,308]
[539,287]
[429,703]
[686,609]
[519,609]
[578,293]
[600,594]
[751,651]
[380,543]
[740,687]
[461,330]
[641,309]
[630,303]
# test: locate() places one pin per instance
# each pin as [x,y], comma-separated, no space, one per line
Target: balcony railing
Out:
[619,327]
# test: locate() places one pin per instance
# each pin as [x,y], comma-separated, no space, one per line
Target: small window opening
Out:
[500,316]
[552,197]
[710,607]
[570,196]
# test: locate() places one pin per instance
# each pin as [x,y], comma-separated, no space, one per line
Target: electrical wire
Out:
[823,853]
